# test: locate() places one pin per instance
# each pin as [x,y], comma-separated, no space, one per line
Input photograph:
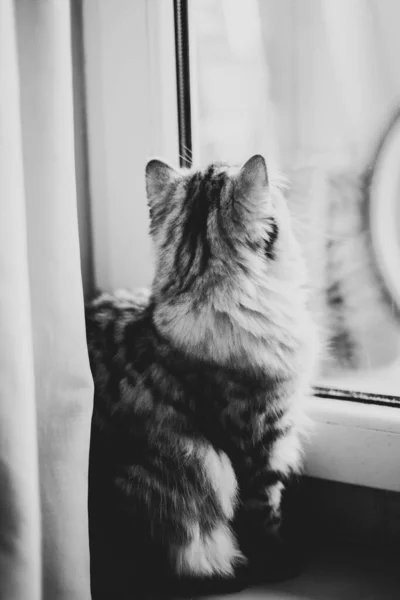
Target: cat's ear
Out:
[251,190]
[253,176]
[158,176]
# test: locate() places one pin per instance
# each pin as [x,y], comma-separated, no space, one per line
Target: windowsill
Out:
[355,443]
[341,573]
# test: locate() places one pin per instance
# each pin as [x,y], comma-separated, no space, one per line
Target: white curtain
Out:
[45,381]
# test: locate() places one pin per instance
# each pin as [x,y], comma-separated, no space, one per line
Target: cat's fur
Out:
[199,385]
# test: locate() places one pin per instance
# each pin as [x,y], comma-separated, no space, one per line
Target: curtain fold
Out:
[46,388]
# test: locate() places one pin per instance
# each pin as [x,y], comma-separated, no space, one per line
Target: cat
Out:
[199,387]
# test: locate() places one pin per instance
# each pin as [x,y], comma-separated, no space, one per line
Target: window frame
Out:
[131,117]
[132,113]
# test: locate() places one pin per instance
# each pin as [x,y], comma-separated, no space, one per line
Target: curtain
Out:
[45,382]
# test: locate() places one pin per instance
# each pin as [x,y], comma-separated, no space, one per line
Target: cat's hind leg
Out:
[187,494]
[275,465]
[211,547]
[210,562]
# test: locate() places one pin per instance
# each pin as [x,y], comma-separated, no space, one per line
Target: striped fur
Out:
[199,383]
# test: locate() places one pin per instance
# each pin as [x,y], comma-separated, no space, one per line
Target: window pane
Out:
[315,86]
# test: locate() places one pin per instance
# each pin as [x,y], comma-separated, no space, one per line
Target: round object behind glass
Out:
[383,210]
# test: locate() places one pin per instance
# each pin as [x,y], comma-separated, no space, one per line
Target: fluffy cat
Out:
[199,386]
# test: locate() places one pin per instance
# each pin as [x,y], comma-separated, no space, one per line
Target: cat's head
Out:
[218,227]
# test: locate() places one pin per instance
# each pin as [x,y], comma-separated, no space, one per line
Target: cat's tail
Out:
[188,502]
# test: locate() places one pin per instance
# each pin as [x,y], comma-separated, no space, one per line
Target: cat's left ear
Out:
[158,176]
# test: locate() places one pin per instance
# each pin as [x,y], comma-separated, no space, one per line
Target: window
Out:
[315,87]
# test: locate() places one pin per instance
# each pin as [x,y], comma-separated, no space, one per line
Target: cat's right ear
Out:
[253,176]
[158,176]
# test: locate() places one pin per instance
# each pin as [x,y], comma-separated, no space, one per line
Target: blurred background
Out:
[315,86]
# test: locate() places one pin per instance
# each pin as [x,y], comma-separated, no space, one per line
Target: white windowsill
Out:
[354,443]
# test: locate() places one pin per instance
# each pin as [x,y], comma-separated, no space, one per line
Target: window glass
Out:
[315,86]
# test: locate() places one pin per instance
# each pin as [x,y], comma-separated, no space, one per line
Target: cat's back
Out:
[108,311]
[108,318]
